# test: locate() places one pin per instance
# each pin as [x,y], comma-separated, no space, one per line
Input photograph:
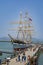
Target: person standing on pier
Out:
[0,62]
[18,57]
[24,57]
[28,60]
[8,60]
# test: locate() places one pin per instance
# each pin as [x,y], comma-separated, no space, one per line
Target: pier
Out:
[29,52]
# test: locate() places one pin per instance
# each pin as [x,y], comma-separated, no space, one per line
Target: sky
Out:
[10,10]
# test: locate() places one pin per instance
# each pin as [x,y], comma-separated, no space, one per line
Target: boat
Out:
[24,33]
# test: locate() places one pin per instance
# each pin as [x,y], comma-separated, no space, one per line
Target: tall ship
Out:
[24,32]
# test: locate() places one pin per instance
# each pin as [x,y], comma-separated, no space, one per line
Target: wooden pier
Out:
[29,52]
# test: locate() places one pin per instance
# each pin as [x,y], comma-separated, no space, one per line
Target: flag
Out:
[30,19]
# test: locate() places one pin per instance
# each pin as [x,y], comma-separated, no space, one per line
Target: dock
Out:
[29,52]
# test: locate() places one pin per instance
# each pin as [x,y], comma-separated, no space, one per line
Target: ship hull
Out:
[18,47]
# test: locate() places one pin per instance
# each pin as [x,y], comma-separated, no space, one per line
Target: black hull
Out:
[18,47]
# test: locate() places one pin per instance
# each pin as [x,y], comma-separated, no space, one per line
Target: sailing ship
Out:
[24,36]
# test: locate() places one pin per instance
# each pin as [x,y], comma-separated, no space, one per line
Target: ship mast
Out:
[25,28]
[20,28]
[28,28]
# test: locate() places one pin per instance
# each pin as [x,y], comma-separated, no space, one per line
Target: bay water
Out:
[5,46]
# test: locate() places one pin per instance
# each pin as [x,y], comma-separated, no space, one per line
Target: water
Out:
[41,59]
[8,46]
[5,46]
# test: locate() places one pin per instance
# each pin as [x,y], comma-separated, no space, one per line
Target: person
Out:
[0,62]
[8,60]
[28,60]
[23,57]
[19,57]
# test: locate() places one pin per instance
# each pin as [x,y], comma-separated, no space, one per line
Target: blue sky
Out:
[10,9]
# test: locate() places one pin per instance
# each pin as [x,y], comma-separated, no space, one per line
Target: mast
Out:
[25,28]
[20,28]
